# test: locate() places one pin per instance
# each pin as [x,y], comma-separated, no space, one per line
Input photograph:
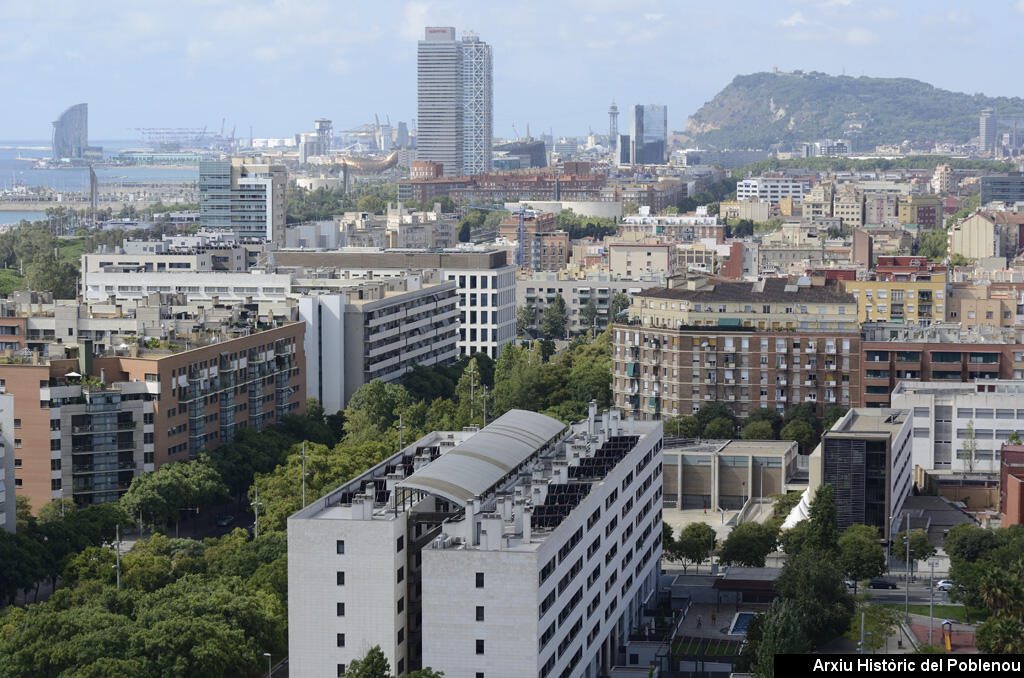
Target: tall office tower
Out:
[71,132]
[987,129]
[613,126]
[649,135]
[477,104]
[244,195]
[402,136]
[439,84]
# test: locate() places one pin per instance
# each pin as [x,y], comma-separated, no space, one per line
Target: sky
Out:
[279,64]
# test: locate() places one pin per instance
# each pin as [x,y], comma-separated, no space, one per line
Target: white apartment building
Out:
[7,514]
[526,548]
[772,189]
[205,285]
[487,303]
[944,412]
[375,330]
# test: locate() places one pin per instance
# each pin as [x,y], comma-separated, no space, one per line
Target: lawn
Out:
[71,249]
[10,281]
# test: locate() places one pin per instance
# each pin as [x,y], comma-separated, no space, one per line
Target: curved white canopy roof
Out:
[471,468]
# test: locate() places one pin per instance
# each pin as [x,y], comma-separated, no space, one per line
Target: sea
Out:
[17,160]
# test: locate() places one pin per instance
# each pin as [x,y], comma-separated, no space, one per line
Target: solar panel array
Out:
[604,459]
[559,502]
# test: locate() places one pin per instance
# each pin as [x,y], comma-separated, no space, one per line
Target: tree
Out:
[682,427]
[814,581]
[694,544]
[970,453]
[469,393]
[1014,439]
[48,274]
[933,244]
[748,545]
[823,533]
[769,415]
[554,319]
[957,259]
[618,304]
[526,318]
[758,430]
[588,314]
[783,631]
[56,510]
[920,547]
[800,431]
[372,411]
[629,208]
[720,428]
[373,665]
[832,415]
[464,232]
[880,622]
[371,203]
[1000,635]
[861,556]
[712,411]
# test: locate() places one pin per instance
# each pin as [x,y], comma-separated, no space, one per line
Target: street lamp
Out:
[270,668]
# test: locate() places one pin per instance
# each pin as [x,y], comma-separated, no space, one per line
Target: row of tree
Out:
[716,421]
[988,568]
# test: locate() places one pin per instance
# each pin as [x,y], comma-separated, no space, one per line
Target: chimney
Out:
[527,524]
[591,417]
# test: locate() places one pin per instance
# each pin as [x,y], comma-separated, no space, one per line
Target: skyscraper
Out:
[649,135]
[987,129]
[244,195]
[71,132]
[455,109]
[477,104]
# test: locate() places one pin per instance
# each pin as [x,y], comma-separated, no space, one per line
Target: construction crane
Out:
[521,215]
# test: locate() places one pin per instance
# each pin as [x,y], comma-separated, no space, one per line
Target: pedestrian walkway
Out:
[961,639]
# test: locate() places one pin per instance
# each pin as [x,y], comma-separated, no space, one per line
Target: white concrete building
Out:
[522,549]
[772,189]
[7,514]
[944,413]
[224,286]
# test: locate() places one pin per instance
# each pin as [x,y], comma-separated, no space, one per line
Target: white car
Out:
[944,585]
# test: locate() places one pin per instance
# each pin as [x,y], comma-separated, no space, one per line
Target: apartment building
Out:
[961,427]
[973,305]
[677,228]
[245,196]
[848,206]
[212,286]
[749,345]
[771,188]
[524,548]
[942,352]
[925,211]
[486,285]
[901,289]
[87,422]
[866,457]
[540,289]
[988,234]
[635,259]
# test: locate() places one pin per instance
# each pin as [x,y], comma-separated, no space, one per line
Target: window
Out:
[341,640]
[341,669]
[401,574]
[401,605]
[341,609]
[401,636]
[17,423]
[479,646]
[341,578]
[480,582]
[401,544]
[479,612]
[341,546]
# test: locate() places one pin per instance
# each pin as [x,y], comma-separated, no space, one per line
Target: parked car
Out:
[225,520]
[944,585]
[850,584]
[879,583]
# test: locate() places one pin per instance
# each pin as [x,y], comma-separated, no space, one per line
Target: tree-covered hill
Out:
[765,110]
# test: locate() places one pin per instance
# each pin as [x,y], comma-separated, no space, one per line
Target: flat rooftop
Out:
[871,420]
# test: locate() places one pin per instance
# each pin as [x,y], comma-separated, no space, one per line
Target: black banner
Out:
[899,664]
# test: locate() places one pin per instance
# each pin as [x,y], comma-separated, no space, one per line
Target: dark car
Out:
[879,583]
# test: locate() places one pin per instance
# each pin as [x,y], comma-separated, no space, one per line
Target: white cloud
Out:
[886,13]
[414,18]
[795,19]
[653,17]
[1019,5]
[837,3]
[859,36]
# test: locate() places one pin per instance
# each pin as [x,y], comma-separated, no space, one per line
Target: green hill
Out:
[766,110]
